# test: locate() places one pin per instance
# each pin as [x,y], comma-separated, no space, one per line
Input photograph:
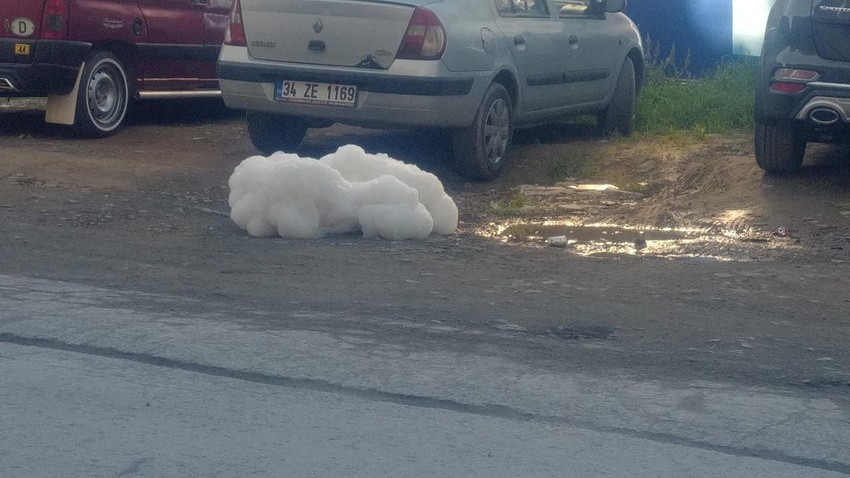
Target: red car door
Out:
[171,52]
[216,17]
[215,21]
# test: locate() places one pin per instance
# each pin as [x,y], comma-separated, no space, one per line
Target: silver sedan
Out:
[480,68]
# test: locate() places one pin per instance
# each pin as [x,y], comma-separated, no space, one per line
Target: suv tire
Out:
[273,133]
[481,150]
[619,116]
[103,96]
[779,147]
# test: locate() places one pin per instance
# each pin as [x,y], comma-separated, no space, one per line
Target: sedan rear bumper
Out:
[405,95]
[392,84]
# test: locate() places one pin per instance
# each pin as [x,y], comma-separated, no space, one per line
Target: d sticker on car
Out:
[22,27]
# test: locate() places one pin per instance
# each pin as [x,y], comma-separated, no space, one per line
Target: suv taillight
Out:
[235,33]
[425,38]
[789,80]
[54,22]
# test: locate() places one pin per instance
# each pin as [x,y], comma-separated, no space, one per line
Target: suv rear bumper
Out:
[405,95]
[824,107]
[831,89]
[50,67]
[816,96]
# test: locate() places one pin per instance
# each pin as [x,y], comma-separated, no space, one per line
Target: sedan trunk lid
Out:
[358,33]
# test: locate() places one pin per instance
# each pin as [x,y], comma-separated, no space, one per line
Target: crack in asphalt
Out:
[488,410]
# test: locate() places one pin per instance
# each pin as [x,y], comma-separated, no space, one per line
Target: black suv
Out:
[803,88]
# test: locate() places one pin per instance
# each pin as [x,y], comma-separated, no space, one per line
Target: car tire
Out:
[103,96]
[273,133]
[779,147]
[619,116]
[482,150]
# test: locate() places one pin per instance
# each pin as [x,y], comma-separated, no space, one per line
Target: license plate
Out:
[308,92]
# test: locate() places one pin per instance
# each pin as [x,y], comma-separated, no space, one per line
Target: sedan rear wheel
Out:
[619,116]
[481,150]
[273,133]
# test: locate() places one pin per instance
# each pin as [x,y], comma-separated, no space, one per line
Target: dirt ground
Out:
[708,191]
[667,266]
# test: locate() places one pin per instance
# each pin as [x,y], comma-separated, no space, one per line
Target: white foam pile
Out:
[344,192]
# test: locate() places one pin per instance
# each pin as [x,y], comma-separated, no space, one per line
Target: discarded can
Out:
[557,241]
[781,232]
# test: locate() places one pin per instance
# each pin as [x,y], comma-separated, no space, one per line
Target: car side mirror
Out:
[615,6]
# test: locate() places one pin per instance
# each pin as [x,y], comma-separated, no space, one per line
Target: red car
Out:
[92,57]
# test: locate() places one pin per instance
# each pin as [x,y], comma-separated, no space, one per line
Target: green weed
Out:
[575,167]
[673,100]
[517,205]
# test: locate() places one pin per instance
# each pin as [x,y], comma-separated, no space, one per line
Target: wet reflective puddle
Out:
[614,239]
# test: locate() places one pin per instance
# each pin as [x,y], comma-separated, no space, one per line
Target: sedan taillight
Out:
[235,33]
[425,38]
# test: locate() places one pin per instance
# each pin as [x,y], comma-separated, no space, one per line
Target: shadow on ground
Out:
[826,172]
[431,149]
[181,112]
[26,116]
[818,194]
[16,123]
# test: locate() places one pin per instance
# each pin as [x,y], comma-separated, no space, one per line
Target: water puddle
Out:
[618,239]
[583,234]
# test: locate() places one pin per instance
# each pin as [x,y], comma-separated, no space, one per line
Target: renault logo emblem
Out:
[317,26]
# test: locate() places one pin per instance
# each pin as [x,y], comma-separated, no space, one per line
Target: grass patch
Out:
[515,205]
[674,102]
[516,202]
[580,166]
[676,110]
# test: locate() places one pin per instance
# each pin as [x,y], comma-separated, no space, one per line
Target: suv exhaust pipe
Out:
[824,116]
[6,85]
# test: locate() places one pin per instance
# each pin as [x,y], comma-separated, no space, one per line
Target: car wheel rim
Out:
[106,95]
[497,131]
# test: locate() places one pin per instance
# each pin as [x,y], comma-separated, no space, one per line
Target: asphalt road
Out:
[105,383]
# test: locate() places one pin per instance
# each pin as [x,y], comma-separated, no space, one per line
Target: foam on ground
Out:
[348,191]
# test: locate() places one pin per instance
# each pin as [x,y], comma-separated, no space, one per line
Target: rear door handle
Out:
[199,2]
